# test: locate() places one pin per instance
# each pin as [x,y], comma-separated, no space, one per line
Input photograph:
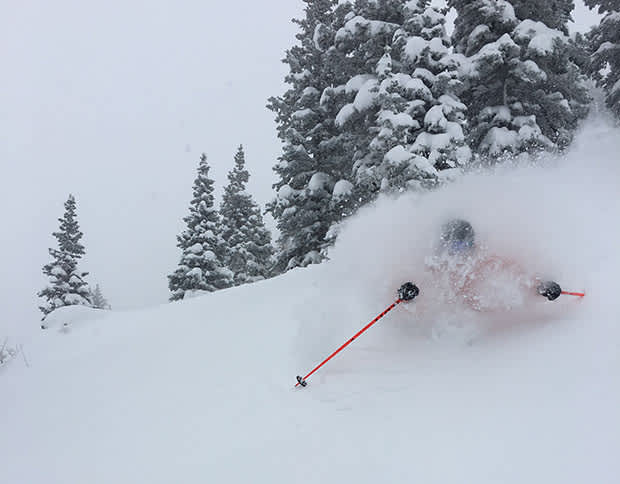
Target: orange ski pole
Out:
[406,292]
[579,294]
[302,381]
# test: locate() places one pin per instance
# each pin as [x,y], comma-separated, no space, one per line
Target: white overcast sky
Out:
[114,102]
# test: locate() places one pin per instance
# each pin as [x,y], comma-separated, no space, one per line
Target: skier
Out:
[463,268]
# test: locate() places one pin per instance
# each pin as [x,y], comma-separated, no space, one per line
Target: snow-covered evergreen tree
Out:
[429,77]
[524,92]
[97,299]
[366,33]
[394,125]
[404,113]
[201,267]
[249,253]
[604,40]
[67,285]
[303,207]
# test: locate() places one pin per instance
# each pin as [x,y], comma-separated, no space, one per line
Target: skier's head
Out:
[457,237]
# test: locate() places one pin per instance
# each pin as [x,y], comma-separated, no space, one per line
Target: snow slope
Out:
[201,391]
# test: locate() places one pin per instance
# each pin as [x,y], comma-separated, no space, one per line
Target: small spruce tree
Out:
[248,243]
[201,267]
[98,301]
[67,285]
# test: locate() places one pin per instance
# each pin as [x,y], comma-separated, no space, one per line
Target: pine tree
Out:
[361,41]
[98,301]
[604,42]
[429,78]
[393,128]
[248,243]
[201,267]
[67,285]
[303,207]
[524,91]
[404,114]
[335,145]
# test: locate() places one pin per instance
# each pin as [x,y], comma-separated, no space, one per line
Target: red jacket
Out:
[481,282]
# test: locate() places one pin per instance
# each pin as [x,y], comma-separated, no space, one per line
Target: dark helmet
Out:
[457,237]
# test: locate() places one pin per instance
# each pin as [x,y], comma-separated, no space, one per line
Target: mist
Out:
[554,219]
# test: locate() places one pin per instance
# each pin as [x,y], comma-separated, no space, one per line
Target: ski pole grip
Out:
[408,291]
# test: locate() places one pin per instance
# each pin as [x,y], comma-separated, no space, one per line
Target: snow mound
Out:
[68,316]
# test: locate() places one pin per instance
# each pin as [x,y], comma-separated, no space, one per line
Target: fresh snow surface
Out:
[318,181]
[302,113]
[316,37]
[414,47]
[541,37]
[499,139]
[433,16]
[397,120]
[496,49]
[420,89]
[196,248]
[67,316]
[301,75]
[202,390]
[366,96]
[195,272]
[356,82]
[605,46]
[354,25]
[434,118]
[505,10]
[437,46]
[345,114]
[434,142]
[310,91]
[285,192]
[398,155]
[425,75]
[342,188]
[58,271]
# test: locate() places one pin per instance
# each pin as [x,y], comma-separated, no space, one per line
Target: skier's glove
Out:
[549,289]
[408,291]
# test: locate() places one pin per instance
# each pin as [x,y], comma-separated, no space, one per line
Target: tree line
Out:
[220,248]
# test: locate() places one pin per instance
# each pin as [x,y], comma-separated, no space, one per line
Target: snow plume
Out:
[555,220]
